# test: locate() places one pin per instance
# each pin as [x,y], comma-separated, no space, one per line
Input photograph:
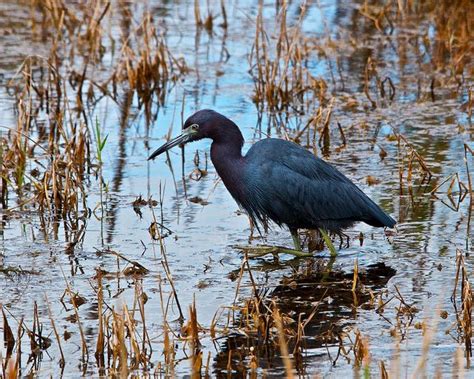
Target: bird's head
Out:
[205,123]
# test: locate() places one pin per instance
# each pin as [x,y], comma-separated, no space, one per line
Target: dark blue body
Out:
[293,187]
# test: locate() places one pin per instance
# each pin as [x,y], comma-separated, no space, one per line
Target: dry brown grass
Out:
[283,84]
[147,67]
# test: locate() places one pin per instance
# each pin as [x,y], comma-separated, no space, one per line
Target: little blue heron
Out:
[279,180]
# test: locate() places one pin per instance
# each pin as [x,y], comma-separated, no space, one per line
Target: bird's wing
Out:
[288,197]
[296,186]
[277,152]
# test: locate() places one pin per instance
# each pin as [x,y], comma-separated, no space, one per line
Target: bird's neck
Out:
[226,156]
[227,142]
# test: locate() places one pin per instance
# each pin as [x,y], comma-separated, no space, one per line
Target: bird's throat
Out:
[229,163]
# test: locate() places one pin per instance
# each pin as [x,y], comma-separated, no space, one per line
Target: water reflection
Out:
[322,301]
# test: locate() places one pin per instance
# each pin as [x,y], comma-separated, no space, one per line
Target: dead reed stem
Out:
[62,360]
[282,343]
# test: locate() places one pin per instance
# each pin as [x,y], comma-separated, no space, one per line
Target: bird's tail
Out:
[381,219]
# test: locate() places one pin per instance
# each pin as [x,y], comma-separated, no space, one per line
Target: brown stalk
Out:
[193,327]
[164,263]
[100,345]
[62,360]
[119,348]
[8,337]
[84,348]
[282,343]
[197,13]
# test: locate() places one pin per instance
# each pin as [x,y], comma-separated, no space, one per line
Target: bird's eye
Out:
[195,127]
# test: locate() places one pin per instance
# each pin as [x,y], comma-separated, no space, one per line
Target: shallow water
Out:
[200,251]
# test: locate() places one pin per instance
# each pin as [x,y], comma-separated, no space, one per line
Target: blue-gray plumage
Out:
[279,180]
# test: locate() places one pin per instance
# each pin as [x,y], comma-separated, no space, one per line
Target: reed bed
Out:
[283,84]
[264,324]
[48,156]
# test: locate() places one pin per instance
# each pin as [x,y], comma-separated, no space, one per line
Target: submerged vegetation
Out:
[101,264]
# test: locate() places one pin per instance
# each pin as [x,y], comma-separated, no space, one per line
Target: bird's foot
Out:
[262,250]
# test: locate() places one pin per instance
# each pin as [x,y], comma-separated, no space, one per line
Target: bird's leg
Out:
[328,241]
[265,225]
[296,239]
[348,240]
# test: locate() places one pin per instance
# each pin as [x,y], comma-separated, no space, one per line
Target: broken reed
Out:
[464,312]
[413,170]
[38,343]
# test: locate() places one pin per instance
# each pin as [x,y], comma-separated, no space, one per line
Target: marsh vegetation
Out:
[113,266]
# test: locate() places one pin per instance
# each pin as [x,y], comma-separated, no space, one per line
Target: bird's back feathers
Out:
[291,186]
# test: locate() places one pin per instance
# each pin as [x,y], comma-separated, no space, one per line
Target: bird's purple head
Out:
[205,123]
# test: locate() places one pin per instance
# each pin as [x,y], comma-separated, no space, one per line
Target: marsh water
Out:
[200,224]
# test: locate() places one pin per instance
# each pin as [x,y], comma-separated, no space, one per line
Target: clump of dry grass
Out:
[271,325]
[282,82]
[448,48]
[54,150]
[147,66]
[52,139]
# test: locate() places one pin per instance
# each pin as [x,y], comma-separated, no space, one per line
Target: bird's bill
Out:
[183,138]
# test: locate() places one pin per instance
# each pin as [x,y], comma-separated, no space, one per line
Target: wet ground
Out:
[396,133]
